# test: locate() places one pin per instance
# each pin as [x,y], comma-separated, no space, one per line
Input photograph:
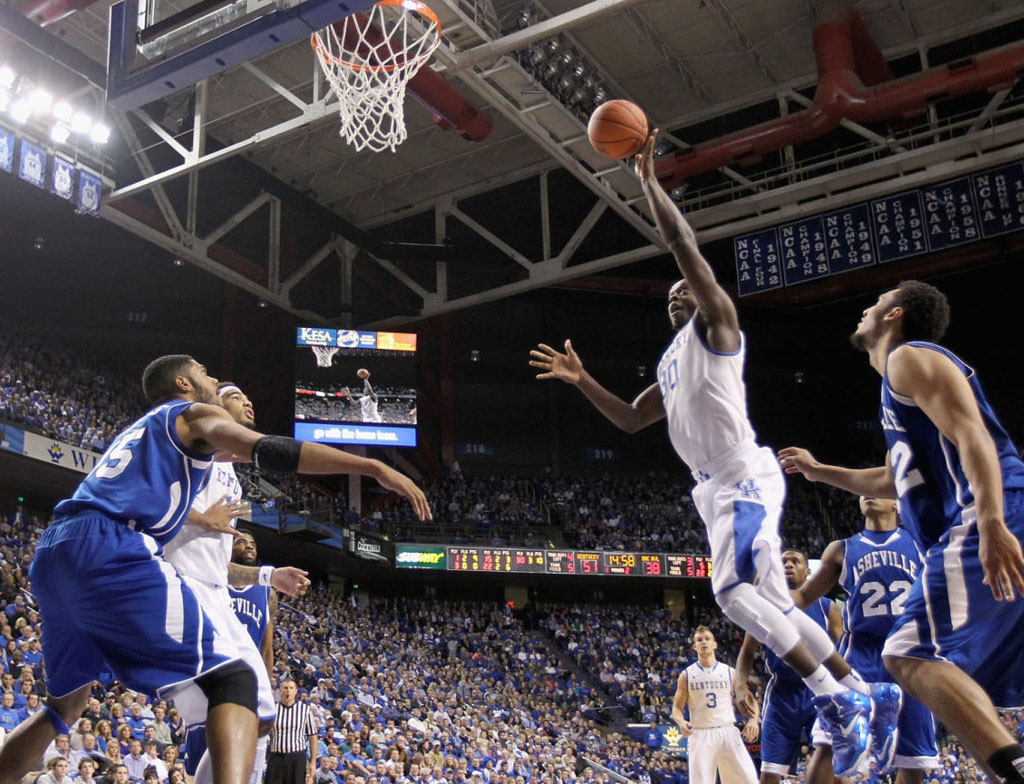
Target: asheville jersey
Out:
[196,551]
[933,491]
[710,695]
[783,678]
[147,478]
[252,608]
[704,396]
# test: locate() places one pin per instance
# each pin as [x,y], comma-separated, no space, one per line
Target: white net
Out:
[369,58]
[324,355]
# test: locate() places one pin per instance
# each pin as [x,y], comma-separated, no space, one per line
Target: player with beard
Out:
[960,484]
[104,549]
[201,553]
[740,488]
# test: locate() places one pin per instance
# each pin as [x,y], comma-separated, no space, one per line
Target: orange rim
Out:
[409,5]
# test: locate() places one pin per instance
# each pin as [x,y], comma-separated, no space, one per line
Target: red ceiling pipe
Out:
[451,111]
[846,62]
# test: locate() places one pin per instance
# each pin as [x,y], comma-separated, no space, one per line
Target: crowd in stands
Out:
[47,388]
[410,691]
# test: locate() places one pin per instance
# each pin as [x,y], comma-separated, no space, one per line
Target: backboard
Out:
[158,47]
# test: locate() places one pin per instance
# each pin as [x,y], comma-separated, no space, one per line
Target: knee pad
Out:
[234,683]
[766,623]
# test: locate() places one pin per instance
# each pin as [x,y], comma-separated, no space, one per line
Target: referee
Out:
[294,736]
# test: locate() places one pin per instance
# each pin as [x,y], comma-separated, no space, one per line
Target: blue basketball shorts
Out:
[111,603]
[951,616]
[786,721]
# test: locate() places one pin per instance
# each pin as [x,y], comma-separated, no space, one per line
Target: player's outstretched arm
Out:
[824,579]
[202,424]
[645,410]
[874,482]
[289,580]
[945,396]
[715,304]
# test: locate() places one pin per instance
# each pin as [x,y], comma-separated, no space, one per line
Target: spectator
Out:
[56,772]
[136,761]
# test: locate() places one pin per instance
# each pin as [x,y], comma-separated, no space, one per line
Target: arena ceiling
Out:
[532,205]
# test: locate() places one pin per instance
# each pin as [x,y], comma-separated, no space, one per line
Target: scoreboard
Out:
[512,560]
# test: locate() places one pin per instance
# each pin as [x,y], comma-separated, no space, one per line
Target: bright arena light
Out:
[63,111]
[60,133]
[7,76]
[20,110]
[100,133]
[40,101]
[81,122]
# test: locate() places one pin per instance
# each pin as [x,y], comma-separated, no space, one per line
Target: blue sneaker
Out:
[847,718]
[886,701]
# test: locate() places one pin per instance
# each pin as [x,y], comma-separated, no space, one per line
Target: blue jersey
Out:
[783,677]
[930,482]
[252,608]
[879,567]
[147,478]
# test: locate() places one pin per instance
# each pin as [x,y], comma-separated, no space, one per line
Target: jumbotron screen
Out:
[355,387]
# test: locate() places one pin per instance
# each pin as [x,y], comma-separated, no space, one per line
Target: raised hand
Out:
[554,364]
[644,163]
[404,486]
[219,516]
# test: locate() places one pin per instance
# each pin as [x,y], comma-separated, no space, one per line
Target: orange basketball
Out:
[363,373]
[617,129]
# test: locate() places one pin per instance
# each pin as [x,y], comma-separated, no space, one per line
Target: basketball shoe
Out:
[847,718]
[886,700]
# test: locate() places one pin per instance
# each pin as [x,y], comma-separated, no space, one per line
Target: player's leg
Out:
[701,756]
[26,744]
[780,733]
[72,660]
[916,747]
[957,650]
[734,763]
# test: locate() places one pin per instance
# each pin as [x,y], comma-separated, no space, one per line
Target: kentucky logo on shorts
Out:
[749,489]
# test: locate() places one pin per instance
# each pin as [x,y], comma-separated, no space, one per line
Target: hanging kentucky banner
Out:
[33,163]
[63,177]
[6,150]
[89,186]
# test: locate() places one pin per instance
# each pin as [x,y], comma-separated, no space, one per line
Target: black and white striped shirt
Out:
[292,728]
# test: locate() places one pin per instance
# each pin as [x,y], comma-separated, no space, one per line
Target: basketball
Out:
[363,373]
[617,129]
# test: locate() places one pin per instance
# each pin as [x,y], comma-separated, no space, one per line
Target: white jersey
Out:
[710,695]
[197,552]
[369,407]
[704,396]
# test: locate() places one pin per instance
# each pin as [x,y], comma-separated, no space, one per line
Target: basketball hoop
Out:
[324,355]
[368,59]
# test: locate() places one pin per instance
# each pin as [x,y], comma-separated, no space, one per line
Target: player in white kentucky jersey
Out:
[740,488]
[201,553]
[705,688]
[368,403]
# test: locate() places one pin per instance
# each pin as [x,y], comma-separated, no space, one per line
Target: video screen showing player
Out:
[359,386]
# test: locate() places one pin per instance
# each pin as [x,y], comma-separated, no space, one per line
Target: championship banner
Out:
[6,150]
[58,453]
[12,439]
[63,182]
[32,166]
[89,189]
